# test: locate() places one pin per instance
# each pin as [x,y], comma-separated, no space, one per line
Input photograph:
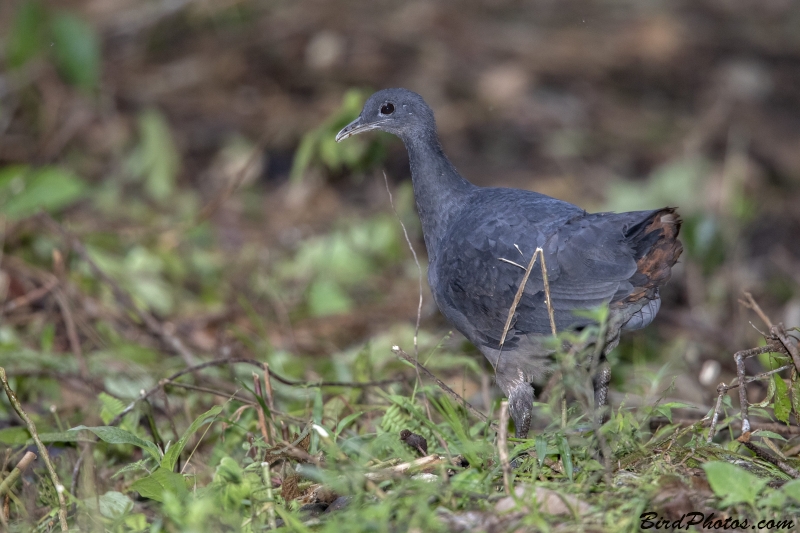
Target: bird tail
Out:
[655,241]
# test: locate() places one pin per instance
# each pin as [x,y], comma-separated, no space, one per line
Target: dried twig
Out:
[426,462]
[453,394]
[521,289]
[225,361]
[502,447]
[419,303]
[59,488]
[750,303]
[762,454]
[30,297]
[23,464]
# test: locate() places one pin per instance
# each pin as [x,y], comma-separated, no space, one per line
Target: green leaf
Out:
[302,157]
[325,297]
[795,394]
[24,191]
[111,407]
[25,34]
[792,489]
[733,484]
[228,471]
[566,455]
[768,397]
[76,50]
[156,484]
[155,161]
[343,423]
[768,434]
[14,436]
[113,435]
[60,436]
[174,451]
[541,448]
[783,404]
[115,505]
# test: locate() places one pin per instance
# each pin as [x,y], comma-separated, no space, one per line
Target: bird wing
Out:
[590,260]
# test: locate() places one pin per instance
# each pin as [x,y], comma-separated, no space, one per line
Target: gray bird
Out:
[481,239]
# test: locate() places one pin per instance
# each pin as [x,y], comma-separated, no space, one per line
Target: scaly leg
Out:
[520,407]
[601,380]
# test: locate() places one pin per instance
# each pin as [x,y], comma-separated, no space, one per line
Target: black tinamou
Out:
[481,239]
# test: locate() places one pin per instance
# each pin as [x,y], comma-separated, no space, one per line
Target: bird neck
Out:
[439,190]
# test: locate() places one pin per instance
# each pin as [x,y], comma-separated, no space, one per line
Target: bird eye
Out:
[387,108]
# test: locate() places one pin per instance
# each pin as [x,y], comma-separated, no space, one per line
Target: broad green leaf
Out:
[174,451]
[14,436]
[783,404]
[769,396]
[733,484]
[325,297]
[60,436]
[25,34]
[24,190]
[156,484]
[113,435]
[76,50]
[792,489]
[115,505]
[228,471]
[768,434]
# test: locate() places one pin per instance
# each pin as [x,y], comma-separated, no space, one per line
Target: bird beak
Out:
[356,127]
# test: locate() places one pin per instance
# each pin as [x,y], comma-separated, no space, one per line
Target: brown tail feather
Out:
[656,265]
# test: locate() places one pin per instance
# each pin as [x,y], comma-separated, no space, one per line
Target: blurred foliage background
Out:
[189,144]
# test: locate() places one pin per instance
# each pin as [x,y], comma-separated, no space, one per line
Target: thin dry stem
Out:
[502,447]
[750,303]
[59,488]
[419,278]
[23,464]
[30,297]
[232,360]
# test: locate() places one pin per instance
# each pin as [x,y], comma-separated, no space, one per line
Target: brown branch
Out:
[762,454]
[791,347]
[9,481]
[750,303]
[30,297]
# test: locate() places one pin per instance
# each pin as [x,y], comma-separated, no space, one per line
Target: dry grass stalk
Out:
[59,488]
[502,447]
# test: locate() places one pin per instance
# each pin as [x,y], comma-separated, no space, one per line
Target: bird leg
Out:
[601,381]
[520,406]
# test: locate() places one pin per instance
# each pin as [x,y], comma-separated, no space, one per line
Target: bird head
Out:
[396,111]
